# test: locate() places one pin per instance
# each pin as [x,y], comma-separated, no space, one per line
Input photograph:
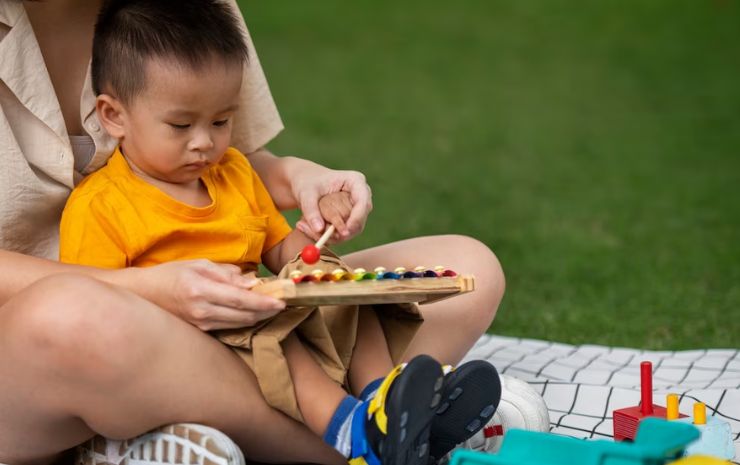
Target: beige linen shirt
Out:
[37,170]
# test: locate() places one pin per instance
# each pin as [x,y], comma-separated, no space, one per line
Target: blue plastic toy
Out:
[657,443]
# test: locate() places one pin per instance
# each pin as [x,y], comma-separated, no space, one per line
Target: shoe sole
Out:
[410,407]
[470,396]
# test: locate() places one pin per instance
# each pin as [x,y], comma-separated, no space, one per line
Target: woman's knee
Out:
[478,259]
[463,254]
[77,323]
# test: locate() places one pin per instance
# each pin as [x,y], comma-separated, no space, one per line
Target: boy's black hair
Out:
[129,32]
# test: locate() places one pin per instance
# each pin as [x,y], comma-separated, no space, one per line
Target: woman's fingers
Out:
[229,318]
[303,226]
[362,205]
[223,305]
[224,273]
[335,238]
[240,299]
[200,292]
[352,182]
[309,204]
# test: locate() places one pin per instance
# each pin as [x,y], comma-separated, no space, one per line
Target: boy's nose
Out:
[201,142]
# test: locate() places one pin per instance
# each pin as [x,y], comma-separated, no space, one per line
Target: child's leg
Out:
[317,394]
[371,359]
[470,394]
[392,428]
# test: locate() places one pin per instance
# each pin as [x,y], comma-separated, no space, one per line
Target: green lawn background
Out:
[594,146]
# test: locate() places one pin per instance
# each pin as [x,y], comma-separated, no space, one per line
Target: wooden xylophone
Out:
[360,287]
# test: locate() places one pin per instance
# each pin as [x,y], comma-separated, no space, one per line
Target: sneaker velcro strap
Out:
[377,404]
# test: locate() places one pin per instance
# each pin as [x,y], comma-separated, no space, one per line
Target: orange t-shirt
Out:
[114,219]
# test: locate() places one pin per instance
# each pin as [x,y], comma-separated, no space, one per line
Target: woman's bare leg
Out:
[79,357]
[470,314]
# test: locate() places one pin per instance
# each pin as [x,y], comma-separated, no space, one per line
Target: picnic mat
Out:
[583,384]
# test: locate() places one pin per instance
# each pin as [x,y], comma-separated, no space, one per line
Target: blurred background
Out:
[594,146]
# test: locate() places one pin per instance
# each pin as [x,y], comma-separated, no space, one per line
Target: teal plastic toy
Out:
[657,442]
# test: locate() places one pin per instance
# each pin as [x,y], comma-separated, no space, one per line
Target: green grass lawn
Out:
[594,146]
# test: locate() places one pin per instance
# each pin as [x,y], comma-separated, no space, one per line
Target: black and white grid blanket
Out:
[583,384]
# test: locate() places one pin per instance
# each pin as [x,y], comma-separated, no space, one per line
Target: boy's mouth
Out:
[197,165]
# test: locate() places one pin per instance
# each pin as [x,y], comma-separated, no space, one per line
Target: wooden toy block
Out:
[626,420]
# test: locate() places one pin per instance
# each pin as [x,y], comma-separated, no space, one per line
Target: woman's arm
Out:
[205,294]
[273,171]
[298,183]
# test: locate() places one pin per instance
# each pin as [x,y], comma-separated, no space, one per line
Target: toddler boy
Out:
[167,75]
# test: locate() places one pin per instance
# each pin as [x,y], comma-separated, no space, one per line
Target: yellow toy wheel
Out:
[700,460]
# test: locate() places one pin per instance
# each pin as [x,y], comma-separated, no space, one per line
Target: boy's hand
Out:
[335,208]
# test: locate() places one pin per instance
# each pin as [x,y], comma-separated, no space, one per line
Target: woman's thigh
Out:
[470,314]
[79,357]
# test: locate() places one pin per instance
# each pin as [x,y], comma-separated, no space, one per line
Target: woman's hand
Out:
[205,294]
[298,183]
[308,190]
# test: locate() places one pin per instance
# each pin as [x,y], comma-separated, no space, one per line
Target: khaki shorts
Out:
[328,333]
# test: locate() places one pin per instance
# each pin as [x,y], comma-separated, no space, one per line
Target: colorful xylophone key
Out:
[380,273]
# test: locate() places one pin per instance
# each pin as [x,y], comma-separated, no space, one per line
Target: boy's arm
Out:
[285,251]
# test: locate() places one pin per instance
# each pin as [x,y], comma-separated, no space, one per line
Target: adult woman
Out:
[88,351]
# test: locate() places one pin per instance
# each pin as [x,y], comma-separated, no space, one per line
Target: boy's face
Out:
[180,124]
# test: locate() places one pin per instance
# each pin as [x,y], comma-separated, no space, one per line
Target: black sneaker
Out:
[470,396]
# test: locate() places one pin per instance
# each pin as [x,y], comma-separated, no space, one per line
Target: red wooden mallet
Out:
[310,253]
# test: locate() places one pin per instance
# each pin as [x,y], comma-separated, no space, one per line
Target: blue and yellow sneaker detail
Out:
[393,427]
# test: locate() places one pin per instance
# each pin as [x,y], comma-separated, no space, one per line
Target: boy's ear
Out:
[111,114]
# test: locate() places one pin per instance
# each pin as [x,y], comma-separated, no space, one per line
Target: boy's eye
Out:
[179,126]
[221,122]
